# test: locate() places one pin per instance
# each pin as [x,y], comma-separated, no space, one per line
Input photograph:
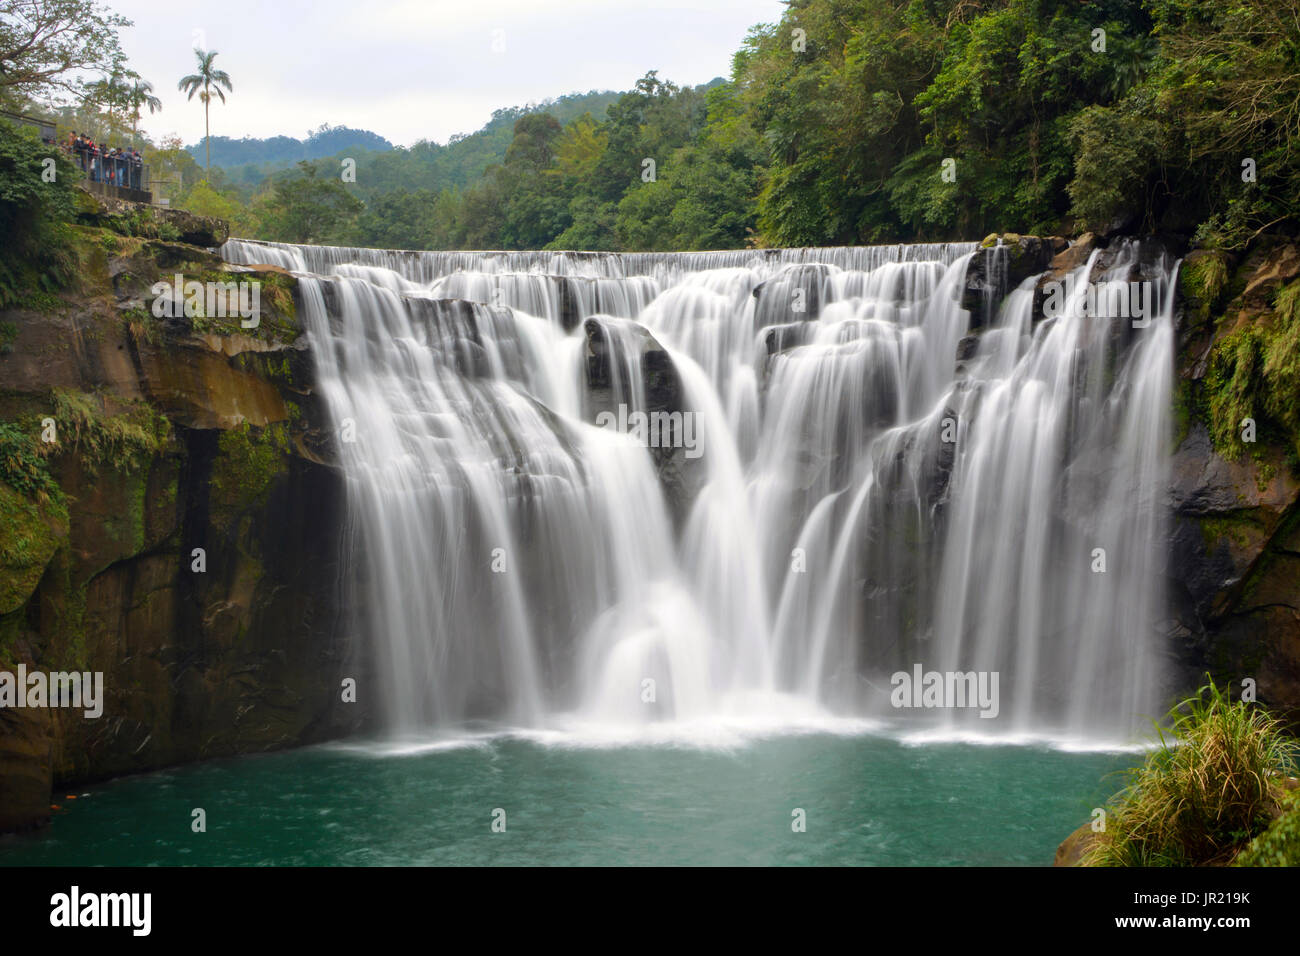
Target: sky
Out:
[417,69]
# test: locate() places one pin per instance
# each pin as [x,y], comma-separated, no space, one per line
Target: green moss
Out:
[127,526]
[1238,530]
[1279,845]
[1186,409]
[1231,388]
[140,222]
[67,606]
[29,535]
[1254,372]
[248,462]
[8,332]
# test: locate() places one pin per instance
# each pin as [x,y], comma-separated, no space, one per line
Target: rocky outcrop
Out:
[615,350]
[1234,551]
[1073,847]
[1000,265]
[180,533]
[144,219]
[796,294]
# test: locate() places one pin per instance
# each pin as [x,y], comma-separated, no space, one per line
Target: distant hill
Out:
[280,151]
[382,167]
[462,160]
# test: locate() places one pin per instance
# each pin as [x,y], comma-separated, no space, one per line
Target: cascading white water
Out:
[864,502]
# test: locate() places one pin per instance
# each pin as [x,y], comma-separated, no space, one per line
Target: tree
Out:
[173,166]
[141,94]
[113,95]
[306,208]
[47,45]
[33,212]
[209,81]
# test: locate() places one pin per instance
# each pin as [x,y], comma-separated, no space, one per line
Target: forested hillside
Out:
[857,121]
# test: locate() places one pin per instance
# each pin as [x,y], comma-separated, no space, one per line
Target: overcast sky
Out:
[417,69]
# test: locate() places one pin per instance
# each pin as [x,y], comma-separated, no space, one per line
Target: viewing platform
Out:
[109,177]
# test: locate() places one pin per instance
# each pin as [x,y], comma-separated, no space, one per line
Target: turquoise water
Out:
[868,800]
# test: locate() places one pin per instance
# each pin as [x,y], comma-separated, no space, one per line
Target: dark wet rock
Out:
[612,345]
[998,267]
[247,655]
[795,294]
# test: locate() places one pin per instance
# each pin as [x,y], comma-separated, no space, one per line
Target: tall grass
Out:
[1213,785]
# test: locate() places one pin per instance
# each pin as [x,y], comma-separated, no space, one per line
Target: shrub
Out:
[1209,789]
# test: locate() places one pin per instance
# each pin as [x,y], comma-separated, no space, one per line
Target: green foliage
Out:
[24,463]
[122,440]
[1279,845]
[841,123]
[1254,372]
[1209,789]
[202,200]
[48,47]
[308,208]
[34,256]
[1118,151]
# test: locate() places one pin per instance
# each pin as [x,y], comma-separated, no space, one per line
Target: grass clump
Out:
[122,441]
[1212,787]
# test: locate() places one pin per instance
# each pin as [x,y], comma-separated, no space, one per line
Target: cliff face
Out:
[1234,558]
[181,533]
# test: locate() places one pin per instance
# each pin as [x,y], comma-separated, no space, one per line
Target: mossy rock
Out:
[29,535]
[248,462]
[1279,845]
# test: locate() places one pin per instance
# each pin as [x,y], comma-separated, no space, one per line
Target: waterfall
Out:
[850,484]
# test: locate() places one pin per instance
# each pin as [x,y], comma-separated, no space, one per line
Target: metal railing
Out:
[125,172]
[121,171]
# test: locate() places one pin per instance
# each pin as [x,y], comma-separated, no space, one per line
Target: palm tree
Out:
[210,81]
[140,94]
[112,92]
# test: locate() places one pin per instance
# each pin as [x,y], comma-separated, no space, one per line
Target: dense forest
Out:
[849,121]
[857,121]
